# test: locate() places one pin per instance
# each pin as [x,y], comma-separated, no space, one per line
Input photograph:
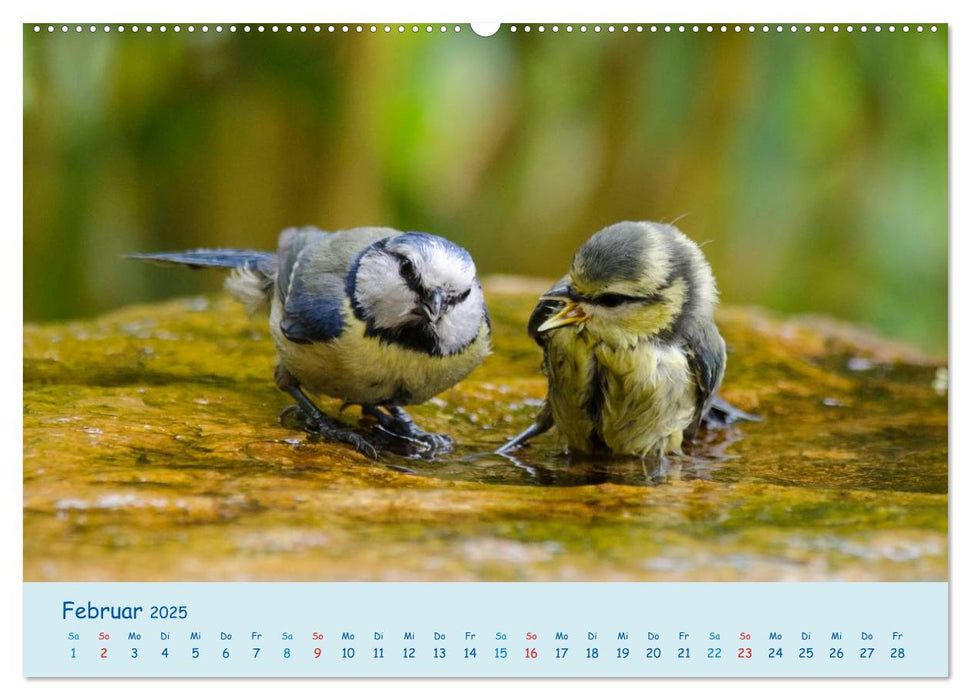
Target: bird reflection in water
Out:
[548,465]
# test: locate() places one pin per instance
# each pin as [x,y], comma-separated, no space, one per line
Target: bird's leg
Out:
[721,413]
[316,421]
[399,423]
[543,422]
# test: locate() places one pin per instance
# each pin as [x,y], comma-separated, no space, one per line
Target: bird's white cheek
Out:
[461,324]
[388,303]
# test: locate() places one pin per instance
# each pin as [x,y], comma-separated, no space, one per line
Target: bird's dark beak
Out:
[431,305]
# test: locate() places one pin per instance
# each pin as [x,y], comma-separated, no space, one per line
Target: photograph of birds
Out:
[371,316]
[631,352]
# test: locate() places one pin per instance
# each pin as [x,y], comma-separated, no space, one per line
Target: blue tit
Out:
[631,352]
[371,316]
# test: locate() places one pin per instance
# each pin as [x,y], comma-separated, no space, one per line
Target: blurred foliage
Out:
[812,166]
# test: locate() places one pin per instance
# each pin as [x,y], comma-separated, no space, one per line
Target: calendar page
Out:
[514,350]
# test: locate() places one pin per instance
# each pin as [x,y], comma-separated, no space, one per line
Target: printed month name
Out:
[90,611]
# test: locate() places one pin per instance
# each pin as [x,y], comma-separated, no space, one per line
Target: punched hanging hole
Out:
[485,28]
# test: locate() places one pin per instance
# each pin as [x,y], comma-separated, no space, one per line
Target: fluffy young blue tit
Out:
[630,348]
[371,316]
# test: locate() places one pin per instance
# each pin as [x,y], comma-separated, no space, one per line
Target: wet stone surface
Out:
[152,451]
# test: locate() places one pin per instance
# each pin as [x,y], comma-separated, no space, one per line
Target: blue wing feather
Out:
[308,320]
[313,299]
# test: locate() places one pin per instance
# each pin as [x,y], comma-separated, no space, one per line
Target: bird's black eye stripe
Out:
[407,270]
[612,300]
[458,299]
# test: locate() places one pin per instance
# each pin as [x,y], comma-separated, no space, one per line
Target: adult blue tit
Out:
[371,316]
[631,352]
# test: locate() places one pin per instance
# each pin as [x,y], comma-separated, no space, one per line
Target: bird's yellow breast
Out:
[360,369]
[632,399]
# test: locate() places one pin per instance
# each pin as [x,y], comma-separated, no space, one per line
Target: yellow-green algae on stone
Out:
[152,451]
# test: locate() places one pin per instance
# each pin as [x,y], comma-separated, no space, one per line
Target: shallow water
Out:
[152,452]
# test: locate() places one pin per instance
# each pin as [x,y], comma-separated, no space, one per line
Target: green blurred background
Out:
[812,166]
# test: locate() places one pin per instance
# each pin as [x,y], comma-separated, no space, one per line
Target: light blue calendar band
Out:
[430,629]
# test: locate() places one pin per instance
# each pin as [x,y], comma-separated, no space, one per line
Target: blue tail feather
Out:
[255,260]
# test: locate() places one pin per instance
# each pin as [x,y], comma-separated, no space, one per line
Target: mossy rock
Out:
[152,451]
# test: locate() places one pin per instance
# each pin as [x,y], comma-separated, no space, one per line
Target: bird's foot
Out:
[400,425]
[294,418]
[436,442]
[322,427]
[331,433]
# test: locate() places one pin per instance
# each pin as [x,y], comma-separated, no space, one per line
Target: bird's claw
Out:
[295,417]
[433,443]
[397,424]
[355,441]
[347,437]
[428,444]
[437,442]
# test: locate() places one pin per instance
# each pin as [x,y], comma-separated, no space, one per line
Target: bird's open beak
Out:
[431,305]
[570,313]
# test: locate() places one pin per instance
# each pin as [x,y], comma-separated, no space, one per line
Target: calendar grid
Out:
[483,630]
